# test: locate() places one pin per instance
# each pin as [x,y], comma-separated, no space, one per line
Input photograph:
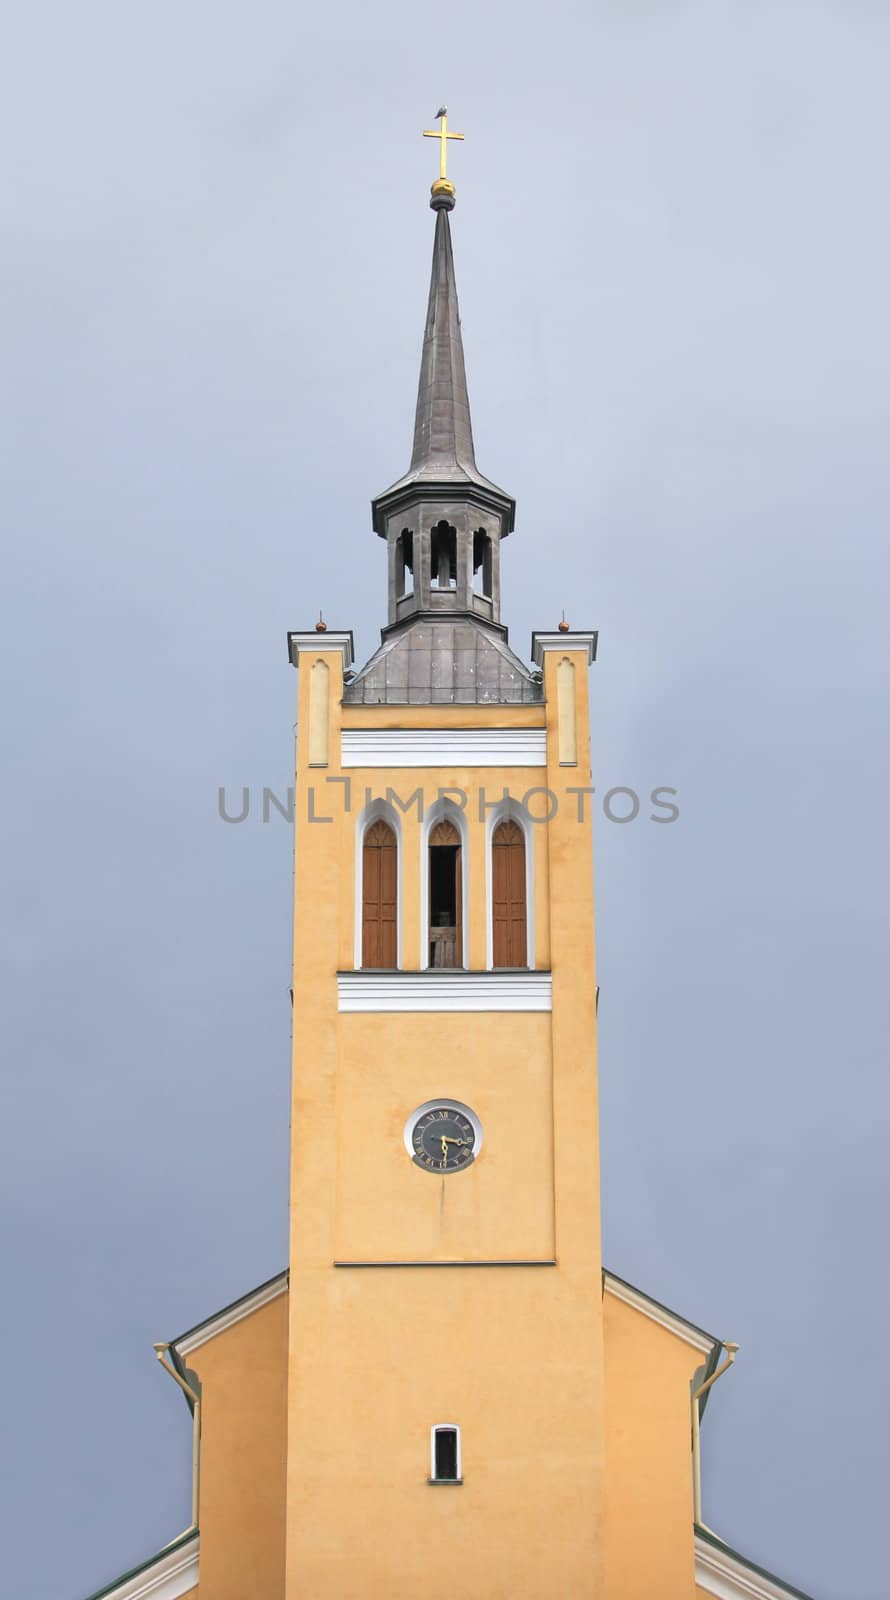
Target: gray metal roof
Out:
[444,661]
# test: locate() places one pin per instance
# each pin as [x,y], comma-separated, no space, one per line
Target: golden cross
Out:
[443,136]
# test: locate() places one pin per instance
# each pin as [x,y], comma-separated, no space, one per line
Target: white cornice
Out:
[230,1315]
[444,991]
[563,641]
[726,1575]
[315,643]
[444,747]
[687,1331]
[167,1578]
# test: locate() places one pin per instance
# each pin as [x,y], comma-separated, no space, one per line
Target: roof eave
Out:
[422,485]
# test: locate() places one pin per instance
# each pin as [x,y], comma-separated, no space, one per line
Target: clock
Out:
[443,1136]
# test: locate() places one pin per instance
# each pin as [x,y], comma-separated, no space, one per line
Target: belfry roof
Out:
[450,660]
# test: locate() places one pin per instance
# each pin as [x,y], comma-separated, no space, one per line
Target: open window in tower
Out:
[482,560]
[445,896]
[404,564]
[443,556]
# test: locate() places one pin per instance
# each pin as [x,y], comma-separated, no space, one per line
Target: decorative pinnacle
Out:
[321,626]
[442,191]
[564,626]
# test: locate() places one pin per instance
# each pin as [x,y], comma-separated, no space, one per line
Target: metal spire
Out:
[443,434]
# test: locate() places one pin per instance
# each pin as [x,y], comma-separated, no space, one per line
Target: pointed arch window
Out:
[509,904]
[445,896]
[379,896]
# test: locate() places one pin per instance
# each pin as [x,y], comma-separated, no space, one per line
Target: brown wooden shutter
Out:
[508,903]
[379,893]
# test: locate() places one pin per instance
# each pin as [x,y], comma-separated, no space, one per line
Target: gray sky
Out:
[672,253]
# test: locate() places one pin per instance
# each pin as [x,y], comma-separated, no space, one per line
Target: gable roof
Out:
[170,1573]
[255,1299]
[689,1332]
[707,1344]
[721,1571]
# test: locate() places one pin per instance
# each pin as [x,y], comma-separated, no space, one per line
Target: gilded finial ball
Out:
[442,195]
[563,626]
[321,626]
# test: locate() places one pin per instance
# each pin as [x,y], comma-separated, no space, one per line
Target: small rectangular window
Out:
[445,1464]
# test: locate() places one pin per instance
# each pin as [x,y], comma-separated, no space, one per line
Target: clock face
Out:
[443,1136]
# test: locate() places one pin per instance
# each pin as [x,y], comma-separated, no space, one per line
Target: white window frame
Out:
[376,811]
[509,810]
[445,811]
[445,1427]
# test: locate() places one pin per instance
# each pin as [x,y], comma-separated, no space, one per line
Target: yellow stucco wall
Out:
[647,1526]
[243,1374]
[574,1411]
[378,1354]
[649,1510]
[502,1206]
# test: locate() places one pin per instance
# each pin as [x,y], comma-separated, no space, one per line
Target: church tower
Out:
[446,1314]
[445,1322]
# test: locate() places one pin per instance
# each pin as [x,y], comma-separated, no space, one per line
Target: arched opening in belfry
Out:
[404,564]
[443,556]
[482,563]
[445,896]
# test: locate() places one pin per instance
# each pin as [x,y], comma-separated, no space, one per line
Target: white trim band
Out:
[699,1340]
[721,1573]
[444,991]
[316,643]
[236,1313]
[444,747]
[168,1578]
[573,640]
